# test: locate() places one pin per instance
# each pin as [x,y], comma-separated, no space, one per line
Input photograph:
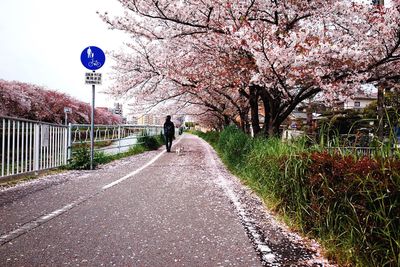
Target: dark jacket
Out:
[169,128]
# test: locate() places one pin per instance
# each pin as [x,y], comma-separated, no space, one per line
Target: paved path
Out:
[154,209]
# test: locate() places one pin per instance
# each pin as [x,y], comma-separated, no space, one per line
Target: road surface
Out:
[153,209]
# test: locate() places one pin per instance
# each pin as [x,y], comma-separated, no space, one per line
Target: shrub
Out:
[358,200]
[101,158]
[151,142]
[80,159]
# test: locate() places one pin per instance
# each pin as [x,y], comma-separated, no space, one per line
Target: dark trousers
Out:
[168,142]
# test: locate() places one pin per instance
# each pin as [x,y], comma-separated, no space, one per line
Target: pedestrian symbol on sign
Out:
[93,58]
[90,53]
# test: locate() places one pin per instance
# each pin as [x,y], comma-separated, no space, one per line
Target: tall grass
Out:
[352,204]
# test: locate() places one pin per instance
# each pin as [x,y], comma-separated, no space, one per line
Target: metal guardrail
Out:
[30,146]
[364,151]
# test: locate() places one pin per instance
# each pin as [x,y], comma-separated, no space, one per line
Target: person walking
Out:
[169,132]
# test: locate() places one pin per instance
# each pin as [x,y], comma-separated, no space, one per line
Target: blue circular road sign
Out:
[93,58]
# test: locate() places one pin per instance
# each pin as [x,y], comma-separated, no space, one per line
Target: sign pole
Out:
[92,129]
[92,58]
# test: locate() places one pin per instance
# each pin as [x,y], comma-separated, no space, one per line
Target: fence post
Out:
[69,142]
[119,138]
[36,147]
[3,147]
[65,156]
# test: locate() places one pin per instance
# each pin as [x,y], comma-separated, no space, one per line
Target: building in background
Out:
[145,119]
[117,110]
[359,101]
[133,120]
[158,120]
[149,119]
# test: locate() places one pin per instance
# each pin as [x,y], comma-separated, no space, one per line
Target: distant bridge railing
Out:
[112,138]
[30,146]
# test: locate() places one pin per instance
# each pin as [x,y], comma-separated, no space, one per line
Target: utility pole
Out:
[381,97]
[309,118]
[380,111]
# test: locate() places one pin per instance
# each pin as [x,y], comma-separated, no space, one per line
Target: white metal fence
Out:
[29,146]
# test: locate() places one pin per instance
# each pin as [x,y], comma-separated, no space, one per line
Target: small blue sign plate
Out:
[93,58]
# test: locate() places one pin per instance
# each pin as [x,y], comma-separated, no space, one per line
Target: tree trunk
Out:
[267,118]
[253,100]
[273,129]
[227,121]
[268,124]
[247,127]
[242,123]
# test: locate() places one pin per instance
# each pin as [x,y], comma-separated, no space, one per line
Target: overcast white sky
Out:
[42,40]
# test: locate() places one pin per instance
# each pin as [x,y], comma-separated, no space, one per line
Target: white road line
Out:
[132,173]
[45,218]
[136,171]
[39,221]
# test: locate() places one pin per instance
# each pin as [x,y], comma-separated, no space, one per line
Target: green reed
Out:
[350,203]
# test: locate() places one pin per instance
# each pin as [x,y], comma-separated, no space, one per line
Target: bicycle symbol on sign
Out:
[93,62]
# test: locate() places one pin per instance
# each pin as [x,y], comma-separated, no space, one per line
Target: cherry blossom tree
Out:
[210,80]
[227,56]
[23,100]
[329,49]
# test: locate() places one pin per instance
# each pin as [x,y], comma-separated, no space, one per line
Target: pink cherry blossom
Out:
[230,58]
[34,102]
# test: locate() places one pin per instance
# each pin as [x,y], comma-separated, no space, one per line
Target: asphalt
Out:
[153,209]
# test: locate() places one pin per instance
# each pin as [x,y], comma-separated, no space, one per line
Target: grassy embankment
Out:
[351,204]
